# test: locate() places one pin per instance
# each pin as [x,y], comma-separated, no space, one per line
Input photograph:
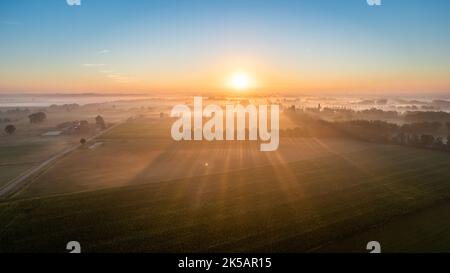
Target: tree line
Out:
[40,117]
[329,113]
[420,134]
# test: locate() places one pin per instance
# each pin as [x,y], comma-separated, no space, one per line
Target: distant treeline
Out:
[420,134]
[427,116]
[65,107]
[374,114]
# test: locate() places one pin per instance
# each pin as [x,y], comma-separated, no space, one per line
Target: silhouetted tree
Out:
[100,122]
[439,143]
[37,117]
[426,140]
[414,140]
[10,129]
[402,138]
[419,116]
[421,127]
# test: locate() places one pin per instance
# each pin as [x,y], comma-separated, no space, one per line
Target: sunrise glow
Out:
[240,81]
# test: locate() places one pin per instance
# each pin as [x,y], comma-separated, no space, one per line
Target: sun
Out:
[240,81]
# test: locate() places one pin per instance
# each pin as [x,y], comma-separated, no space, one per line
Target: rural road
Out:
[10,187]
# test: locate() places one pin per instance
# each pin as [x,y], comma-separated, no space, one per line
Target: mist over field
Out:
[341,163]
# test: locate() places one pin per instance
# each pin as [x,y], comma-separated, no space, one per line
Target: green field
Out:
[301,204]
[20,154]
[27,147]
[139,191]
[142,152]
[424,231]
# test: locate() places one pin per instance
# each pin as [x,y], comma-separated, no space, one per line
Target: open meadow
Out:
[142,151]
[29,146]
[133,189]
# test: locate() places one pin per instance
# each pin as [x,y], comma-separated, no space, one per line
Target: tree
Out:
[37,117]
[414,140]
[83,141]
[10,129]
[426,140]
[100,122]
[439,143]
[402,138]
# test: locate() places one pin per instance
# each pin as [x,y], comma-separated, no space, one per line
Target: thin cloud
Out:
[103,52]
[93,65]
[120,78]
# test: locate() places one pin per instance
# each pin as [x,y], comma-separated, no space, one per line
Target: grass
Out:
[143,128]
[9,172]
[140,191]
[123,162]
[21,155]
[26,148]
[428,230]
[294,206]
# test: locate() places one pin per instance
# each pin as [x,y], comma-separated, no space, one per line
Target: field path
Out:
[13,185]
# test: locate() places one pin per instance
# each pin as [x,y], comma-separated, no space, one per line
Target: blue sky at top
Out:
[154,42]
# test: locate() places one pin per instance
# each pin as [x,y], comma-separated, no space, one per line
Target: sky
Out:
[177,46]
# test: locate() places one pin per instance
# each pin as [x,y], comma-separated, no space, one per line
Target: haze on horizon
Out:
[319,46]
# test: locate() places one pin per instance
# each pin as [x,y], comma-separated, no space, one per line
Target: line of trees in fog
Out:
[427,116]
[66,127]
[374,114]
[10,129]
[420,134]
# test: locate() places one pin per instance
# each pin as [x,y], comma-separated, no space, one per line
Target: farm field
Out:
[426,231]
[19,154]
[142,151]
[28,146]
[318,191]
